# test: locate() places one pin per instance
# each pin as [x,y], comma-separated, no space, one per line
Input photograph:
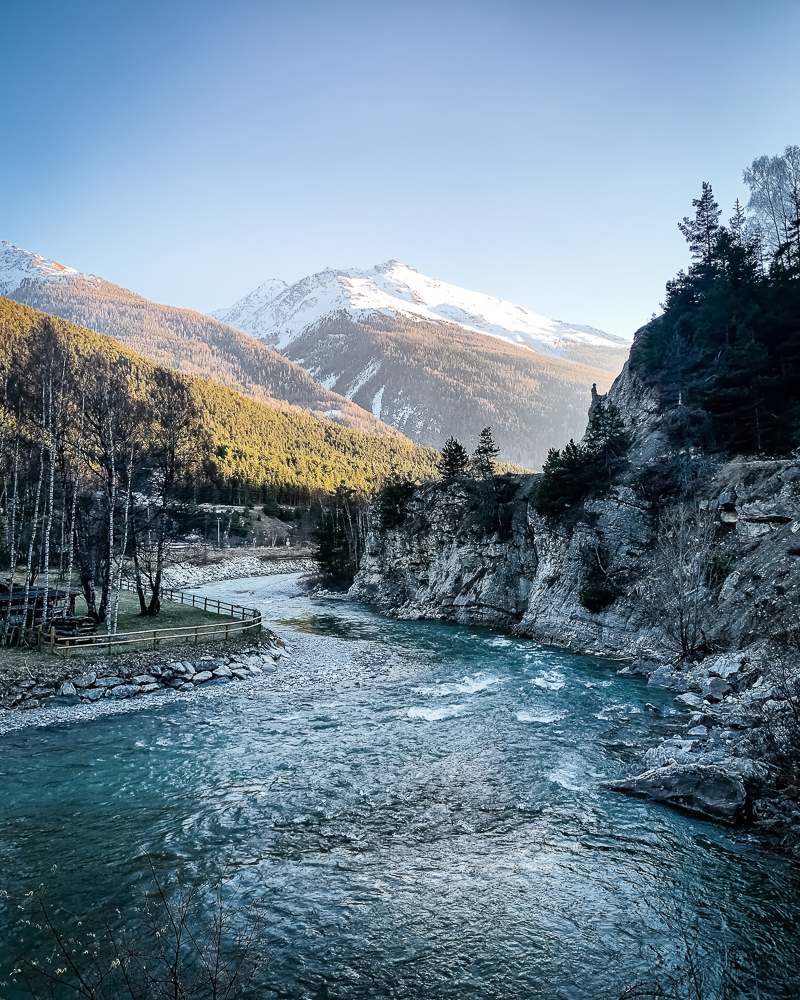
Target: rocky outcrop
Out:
[704,790]
[479,553]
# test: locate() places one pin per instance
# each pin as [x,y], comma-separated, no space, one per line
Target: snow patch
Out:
[377,403]
[279,313]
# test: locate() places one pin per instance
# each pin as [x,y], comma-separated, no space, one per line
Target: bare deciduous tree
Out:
[679,599]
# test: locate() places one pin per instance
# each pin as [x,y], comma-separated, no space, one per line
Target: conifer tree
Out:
[485,454]
[607,440]
[455,459]
[702,231]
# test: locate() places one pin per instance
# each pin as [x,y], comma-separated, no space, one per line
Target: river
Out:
[421,807]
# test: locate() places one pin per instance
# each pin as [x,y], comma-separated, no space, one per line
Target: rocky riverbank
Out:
[233,564]
[475,552]
[42,695]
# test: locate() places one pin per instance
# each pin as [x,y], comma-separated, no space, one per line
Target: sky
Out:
[542,152]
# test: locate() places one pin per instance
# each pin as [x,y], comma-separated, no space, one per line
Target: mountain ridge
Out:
[277,312]
[179,338]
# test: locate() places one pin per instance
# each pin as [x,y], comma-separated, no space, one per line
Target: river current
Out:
[429,823]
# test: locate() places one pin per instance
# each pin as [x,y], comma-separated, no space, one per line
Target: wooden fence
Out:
[246,621]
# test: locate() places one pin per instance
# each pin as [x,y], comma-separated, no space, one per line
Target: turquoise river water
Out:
[439,829]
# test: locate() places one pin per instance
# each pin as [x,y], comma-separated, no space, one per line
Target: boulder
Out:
[67,688]
[124,691]
[715,689]
[690,700]
[109,682]
[61,701]
[222,671]
[92,694]
[701,789]
[86,681]
[142,679]
[202,677]
[725,667]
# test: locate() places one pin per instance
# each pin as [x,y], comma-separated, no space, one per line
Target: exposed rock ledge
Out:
[451,558]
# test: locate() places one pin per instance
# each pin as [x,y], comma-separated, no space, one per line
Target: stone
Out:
[61,701]
[124,691]
[202,677]
[189,668]
[186,686]
[144,679]
[67,688]
[222,671]
[149,688]
[701,789]
[690,700]
[241,672]
[92,694]
[86,680]
[725,667]
[715,689]
[176,682]
[699,732]
[109,682]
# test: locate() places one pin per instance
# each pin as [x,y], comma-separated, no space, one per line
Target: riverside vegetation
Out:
[669,534]
[104,457]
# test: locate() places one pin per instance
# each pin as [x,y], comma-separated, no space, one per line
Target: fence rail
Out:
[245,621]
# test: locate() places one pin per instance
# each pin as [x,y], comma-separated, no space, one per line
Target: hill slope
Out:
[247,444]
[177,338]
[433,360]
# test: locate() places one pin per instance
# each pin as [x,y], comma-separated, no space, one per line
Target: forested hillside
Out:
[433,380]
[239,442]
[190,342]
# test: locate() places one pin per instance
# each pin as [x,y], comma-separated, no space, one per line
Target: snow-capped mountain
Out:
[178,338]
[278,313]
[17,264]
[432,359]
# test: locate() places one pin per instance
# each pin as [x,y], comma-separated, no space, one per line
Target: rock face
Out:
[477,552]
[449,558]
[704,790]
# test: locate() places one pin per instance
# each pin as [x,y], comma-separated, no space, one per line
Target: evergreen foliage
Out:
[454,459]
[340,533]
[392,500]
[570,475]
[484,458]
[725,354]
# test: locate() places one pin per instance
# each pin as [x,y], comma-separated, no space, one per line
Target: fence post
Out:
[155,640]
[52,638]
[195,635]
[205,604]
[39,639]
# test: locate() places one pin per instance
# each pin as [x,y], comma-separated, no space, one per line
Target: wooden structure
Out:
[23,612]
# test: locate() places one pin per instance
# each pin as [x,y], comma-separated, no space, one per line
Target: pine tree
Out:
[483,458]
[455,459]
[607,440]
[702,231]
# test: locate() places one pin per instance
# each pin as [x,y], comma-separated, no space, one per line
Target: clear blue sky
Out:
[538,151]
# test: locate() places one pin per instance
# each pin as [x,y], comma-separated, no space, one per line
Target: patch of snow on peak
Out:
[17,264]
[279,313]
[377,403]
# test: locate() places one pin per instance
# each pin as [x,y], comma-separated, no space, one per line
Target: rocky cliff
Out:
[595,580]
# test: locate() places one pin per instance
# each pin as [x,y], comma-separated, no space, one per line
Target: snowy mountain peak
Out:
[278,313]
[17,264]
